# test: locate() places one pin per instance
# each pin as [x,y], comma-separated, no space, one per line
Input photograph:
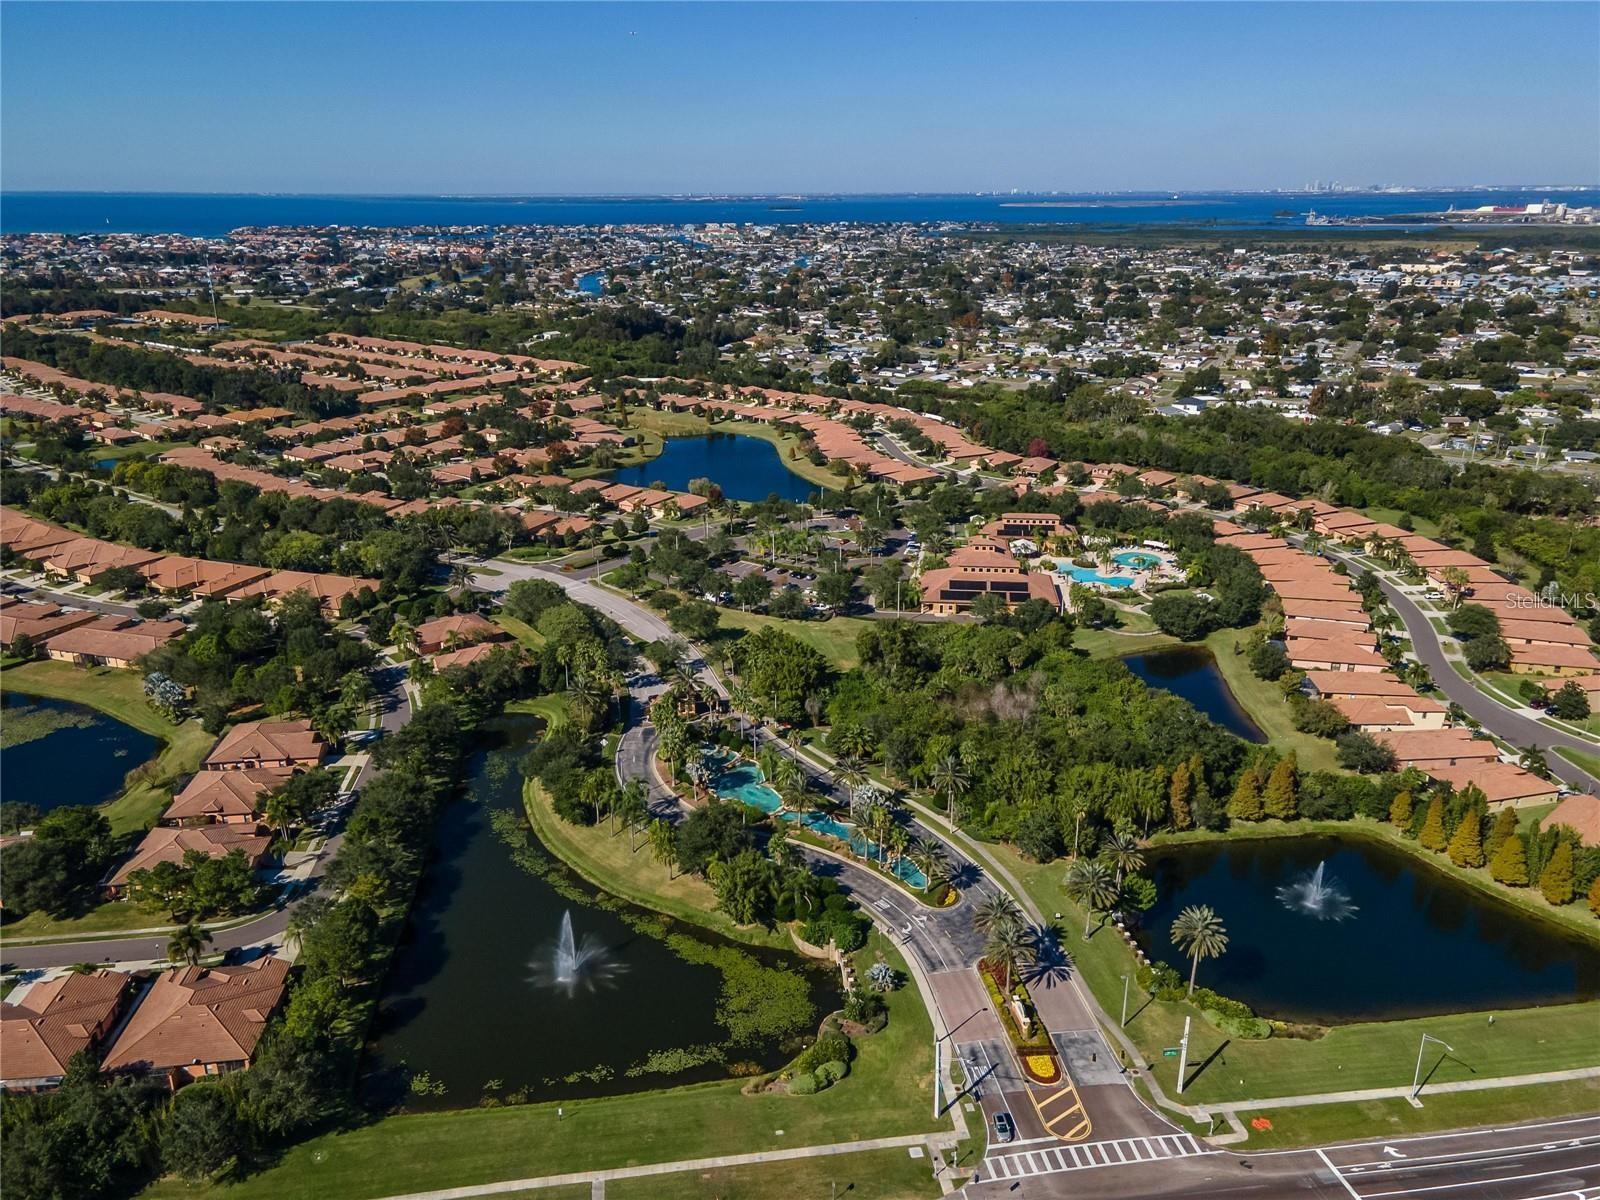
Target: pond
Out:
[58,753]
[746,468]
[592,283]
[481,988]
[1192,673]
[1406,940]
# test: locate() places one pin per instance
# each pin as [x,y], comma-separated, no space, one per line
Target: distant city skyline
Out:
[759,100]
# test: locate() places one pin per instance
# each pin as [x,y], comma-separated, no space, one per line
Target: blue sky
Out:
[508,98]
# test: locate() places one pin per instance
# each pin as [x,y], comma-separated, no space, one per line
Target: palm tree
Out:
[951,781]
[849,770]
[1009,945]
[898,842]
[663,844]
[632,808]
[188,943]
[1198,931]
[460,576]
[1122,850]
[1089,884]
[931,858]
[998,911]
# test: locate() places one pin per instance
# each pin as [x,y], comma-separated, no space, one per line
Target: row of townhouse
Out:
[62,554]
[181,1024]
[218,811]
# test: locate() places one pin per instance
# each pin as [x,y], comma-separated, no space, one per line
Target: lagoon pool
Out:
[1139,560]
[1090,575]
[745,783]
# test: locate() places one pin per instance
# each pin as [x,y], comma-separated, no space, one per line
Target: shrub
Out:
[1250,1028]
[803,1085]
[830,1073]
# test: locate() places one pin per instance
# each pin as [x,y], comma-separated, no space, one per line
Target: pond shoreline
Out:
[1410,923]
[1525,901]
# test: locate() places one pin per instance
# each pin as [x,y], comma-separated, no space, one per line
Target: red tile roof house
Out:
[87,559]
[330,590]
[171,843]
[199,1021]
[1502,784]
[175,575]
[1035,525]
[255,744]
[952,590]
[1381,714]
[110,641]
[26,618]
[468,655]
[54,1020]
[1580,812]
[1317,654]
[460,629]
[224,797]
[1427,749]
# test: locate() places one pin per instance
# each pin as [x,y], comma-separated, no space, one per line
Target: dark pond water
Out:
[57,752]
[747,468]
[1192,673]
[469,1000]
[1417,942]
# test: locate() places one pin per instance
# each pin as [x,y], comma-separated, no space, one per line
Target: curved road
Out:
[1505,723]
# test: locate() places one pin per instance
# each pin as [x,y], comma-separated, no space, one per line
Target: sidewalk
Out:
[1399,1093]
[908,1141]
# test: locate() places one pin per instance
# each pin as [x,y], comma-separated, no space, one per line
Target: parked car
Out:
[1005,1129]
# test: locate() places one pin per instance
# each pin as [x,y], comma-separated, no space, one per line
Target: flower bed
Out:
[1036,1043]
[1041,1068]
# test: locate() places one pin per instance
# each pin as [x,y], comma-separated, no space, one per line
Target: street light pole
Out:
[1416,1076]
[1124,1020]
[1183,1055]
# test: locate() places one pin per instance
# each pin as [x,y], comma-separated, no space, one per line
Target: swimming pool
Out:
[745,783]
[1090,575]
[1139,560]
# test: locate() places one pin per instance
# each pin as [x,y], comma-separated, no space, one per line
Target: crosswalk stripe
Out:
[1021,1163]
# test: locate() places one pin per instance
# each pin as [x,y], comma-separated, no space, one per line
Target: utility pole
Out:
[1124,1020]
[936,1052]
[1416,1076]
[1183,1055]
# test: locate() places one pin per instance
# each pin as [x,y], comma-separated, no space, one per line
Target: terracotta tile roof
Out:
[200,1015]
[267,742]
[166,843]
[54,1020]
[1580,812]
[218,795]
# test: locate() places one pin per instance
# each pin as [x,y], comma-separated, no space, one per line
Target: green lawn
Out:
[879,1174]
[834,639]
[1589,762]
[521,630]
[1265,703]
[1366,1055]
[552,709]
[888,1093]
[1324,1123]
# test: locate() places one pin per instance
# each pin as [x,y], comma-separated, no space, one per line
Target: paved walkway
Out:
[1400,1093]
[647,1170]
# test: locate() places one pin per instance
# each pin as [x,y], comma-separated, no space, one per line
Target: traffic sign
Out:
[1169,1052]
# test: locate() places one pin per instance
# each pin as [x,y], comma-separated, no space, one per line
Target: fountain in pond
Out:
[1317,896]
[572,963]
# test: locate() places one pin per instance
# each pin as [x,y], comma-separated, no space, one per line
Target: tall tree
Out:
[1432,836]
[1199,932]
[1245,804]
[1510,863]
[1090,885]
[1555,881]
[1466,845]
[1278,799]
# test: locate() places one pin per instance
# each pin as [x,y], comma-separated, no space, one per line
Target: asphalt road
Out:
[389,684]
[1535,1161]
[1499,720]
